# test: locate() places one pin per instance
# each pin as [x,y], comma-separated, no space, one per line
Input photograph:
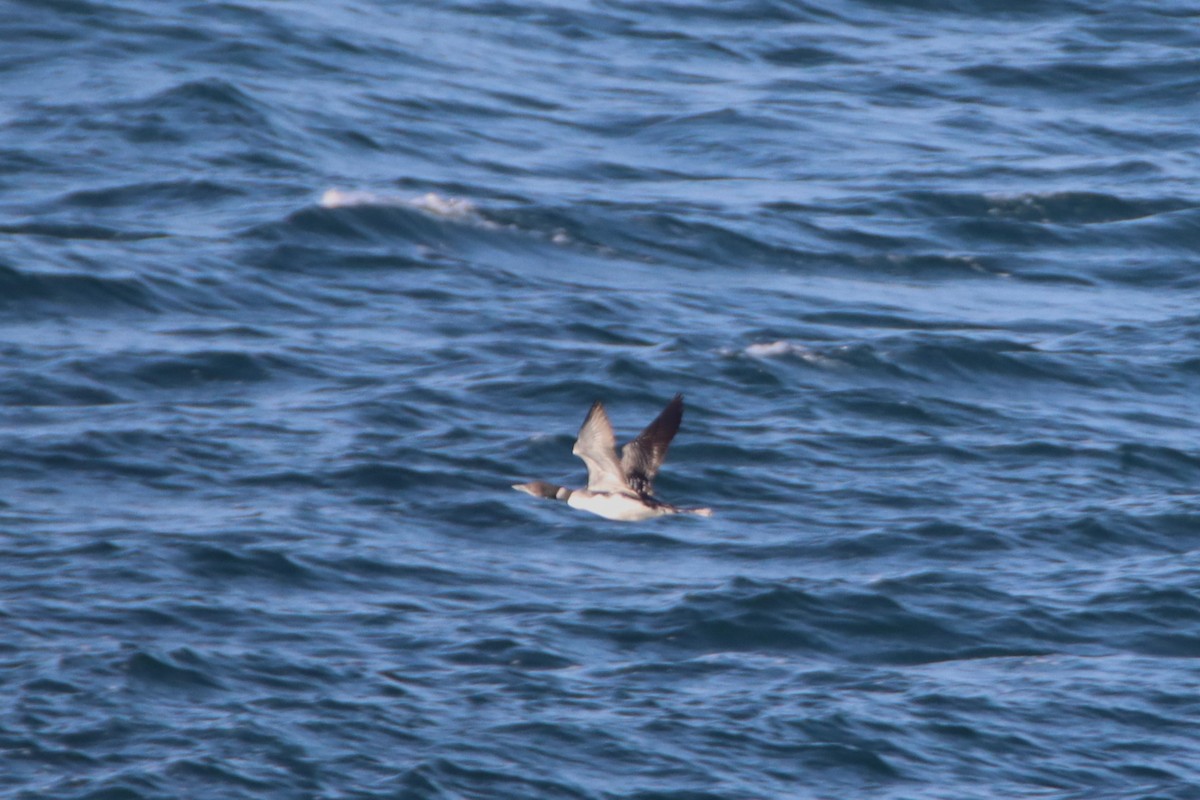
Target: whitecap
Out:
[456,208]
[773,349]
[336,198]
[781,348]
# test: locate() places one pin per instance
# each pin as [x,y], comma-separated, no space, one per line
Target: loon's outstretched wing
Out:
[641,458]
[597,446]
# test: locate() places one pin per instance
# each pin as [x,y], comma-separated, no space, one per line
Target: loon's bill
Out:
[620,488]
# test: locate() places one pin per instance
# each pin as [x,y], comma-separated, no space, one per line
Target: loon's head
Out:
[543,489]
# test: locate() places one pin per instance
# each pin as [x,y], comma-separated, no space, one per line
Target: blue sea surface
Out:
[292,292]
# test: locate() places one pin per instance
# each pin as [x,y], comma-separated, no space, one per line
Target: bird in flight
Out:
[620,488]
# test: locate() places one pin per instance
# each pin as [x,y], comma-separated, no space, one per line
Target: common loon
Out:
[620,488]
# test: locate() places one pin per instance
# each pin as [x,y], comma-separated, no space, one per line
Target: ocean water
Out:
[291,292]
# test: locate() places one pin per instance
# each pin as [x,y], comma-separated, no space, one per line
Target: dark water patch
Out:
[508,653]
[58,758]
[681,132]
[151,617]
[971,359]
[705,242]
[1058,208]
[212,102]
[609,171]
[934,266]
[218,563]
[132,451]
[951,541]
[1120,138]
[50,686]
[885,407]
[34,390]
[804,56]
[1143,84]
[1170,230]
[1140,273]
[284,677]
[476,515]
[741,11]
[875,544]
[197,370]
[86,458]
[876,450]
[558,393]
[524,100]
[1144,620]
[67,8]
[641,540]
[705,622]
[1042,452]
[213,112]
[392,478]
[992,9]
[219,331]
[939,541]
[603,335]
[23,291]
[470,779]
[203,367]
[384,571]
[1047,277]
[475,108]
[752,616]
[42,554]
[76,231]
[306,236]
[1116,533]
[184,194]
[885,320]
[182,669]
[1168,462]
[19,162]
[1006,233]
[305,258]
[286,479]
[210,774]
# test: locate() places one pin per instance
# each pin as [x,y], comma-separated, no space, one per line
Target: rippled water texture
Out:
[291,293]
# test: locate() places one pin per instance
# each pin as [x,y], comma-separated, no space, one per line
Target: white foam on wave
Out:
[434,204]
[458,209]
[451,207]
[772,349]
[336,198]
[781,348]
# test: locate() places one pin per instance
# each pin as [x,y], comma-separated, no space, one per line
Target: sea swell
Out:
[291,296]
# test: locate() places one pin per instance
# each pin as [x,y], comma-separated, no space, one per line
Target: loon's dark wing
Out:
[641,458]
[598,449]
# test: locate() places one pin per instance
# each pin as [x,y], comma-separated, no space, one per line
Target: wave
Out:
[185,194]
[1058,208]
[923,358]
[168,672]
[23,291]
[77,230]
[870,626]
